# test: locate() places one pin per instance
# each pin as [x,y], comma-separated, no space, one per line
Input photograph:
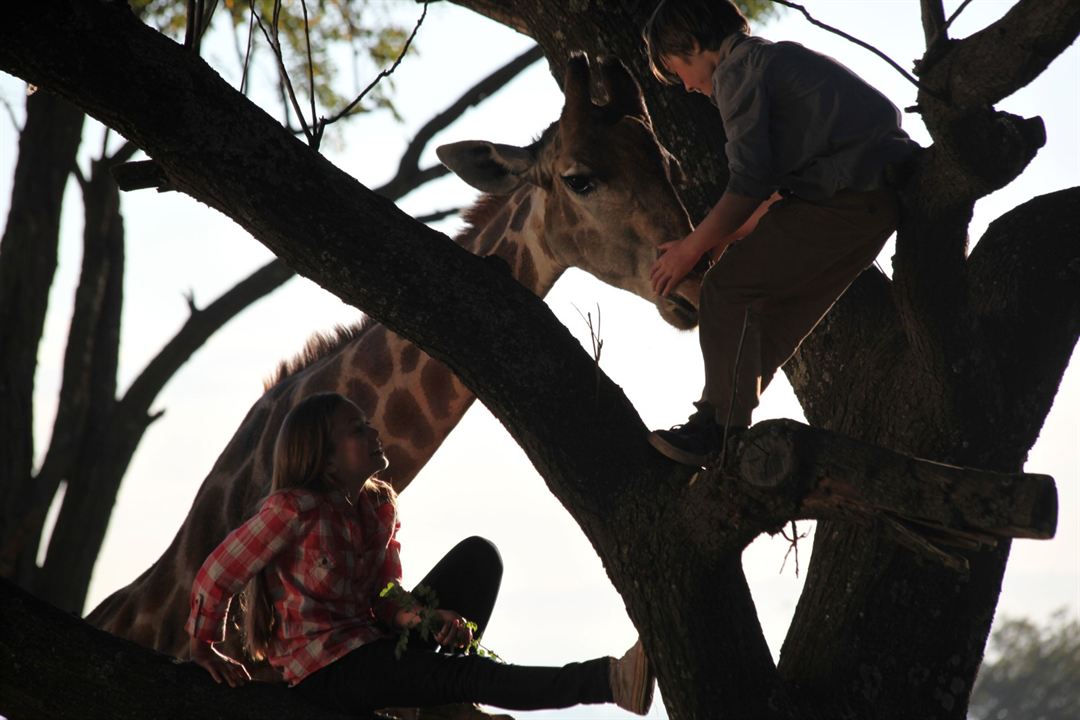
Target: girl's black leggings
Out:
[467,581]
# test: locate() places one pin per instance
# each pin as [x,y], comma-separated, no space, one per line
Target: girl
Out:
[316,556]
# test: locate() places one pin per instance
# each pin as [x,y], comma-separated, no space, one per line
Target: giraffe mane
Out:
[317,347]
[487,205]
[479,214]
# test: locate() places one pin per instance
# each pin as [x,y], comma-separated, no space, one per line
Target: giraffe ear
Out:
[490,167]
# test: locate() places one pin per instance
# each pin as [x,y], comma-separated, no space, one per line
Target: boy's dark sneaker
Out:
[693,442]
[632,680]
[696,441]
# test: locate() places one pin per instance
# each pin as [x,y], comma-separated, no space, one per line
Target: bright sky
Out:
[556,604]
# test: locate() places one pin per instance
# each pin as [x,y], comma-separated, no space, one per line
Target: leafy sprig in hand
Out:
[419,610]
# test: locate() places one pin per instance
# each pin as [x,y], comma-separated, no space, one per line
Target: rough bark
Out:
[880,631]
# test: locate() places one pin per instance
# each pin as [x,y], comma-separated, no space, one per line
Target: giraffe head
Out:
[607,186]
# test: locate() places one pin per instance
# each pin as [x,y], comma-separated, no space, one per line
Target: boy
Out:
[806,132]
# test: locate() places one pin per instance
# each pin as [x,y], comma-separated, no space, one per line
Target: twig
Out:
[908,76]
[247,55]
[955,13]
[123,154]
[193,12]
[382,74]
[934,46]
[597,344]
[311,75]
[275,46]
[793,546]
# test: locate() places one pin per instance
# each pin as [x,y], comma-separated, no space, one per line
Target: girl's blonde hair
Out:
[301,452]
[679,27]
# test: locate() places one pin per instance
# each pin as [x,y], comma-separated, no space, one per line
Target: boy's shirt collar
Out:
[727,45]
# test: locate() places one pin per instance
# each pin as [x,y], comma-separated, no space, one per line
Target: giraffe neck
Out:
[413,399]
[512,227]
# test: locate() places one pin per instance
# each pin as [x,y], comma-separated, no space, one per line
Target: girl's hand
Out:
[676,260]
[453,632]
[220,667]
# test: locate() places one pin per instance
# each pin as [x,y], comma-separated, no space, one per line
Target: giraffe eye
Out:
[579,184]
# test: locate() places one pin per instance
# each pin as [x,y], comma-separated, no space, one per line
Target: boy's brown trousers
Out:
[768,290]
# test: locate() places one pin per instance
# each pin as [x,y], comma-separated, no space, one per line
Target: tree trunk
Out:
[47,147]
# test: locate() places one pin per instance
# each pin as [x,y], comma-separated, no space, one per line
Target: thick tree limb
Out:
[995,62]
[88,387]
[90,332]
[1025,289]
[933,20]
[28,256]
[976,151]
[55,666]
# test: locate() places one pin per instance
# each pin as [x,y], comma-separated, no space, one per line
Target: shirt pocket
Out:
[325,578]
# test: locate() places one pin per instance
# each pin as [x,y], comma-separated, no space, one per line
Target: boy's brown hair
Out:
[679,27]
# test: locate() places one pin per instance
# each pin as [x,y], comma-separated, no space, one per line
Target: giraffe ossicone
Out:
[594,191]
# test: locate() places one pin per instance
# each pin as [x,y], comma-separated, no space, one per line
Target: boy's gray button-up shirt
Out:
[799,121]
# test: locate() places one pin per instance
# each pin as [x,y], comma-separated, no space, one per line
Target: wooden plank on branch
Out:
[828,473]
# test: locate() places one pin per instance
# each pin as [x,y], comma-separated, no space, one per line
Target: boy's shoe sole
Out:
[632,681]
[664,442]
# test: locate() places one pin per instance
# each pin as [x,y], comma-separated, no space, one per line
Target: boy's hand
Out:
[220,667]
[677,259]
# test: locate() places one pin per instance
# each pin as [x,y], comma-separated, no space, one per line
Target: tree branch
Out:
[199,326]
[88,387]
[933,20]
[1025,289]
[410,160]
[501,11]
[28,257]
[851,38]
[1005,56]
[378,78]
[53,665]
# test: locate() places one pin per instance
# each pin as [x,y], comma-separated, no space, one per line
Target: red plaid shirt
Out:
[326,562]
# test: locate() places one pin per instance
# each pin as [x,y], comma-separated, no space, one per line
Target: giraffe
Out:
[595,191]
